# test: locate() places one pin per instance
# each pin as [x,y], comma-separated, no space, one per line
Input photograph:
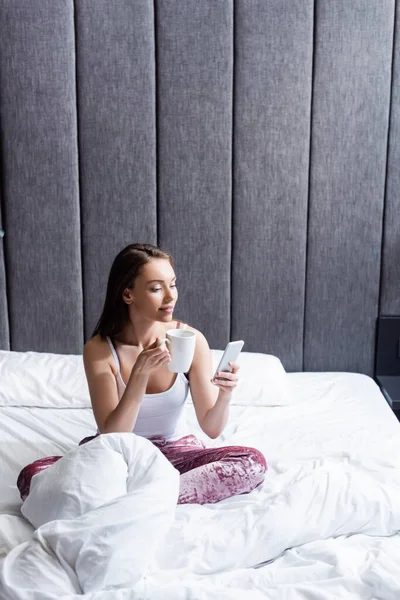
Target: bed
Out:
[324,524]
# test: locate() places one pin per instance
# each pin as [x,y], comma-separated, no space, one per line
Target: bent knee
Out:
[258,464]
[258,458]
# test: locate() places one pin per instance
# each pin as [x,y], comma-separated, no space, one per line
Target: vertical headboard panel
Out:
[117,136]
[273,67]
[40,175]
[194,109]
[351,96]
[390,289]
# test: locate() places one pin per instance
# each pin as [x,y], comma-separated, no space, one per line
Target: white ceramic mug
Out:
[181,344]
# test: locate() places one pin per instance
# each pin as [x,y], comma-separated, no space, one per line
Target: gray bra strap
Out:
[114,353]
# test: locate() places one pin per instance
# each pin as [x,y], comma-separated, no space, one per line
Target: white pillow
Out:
[59,381]
[262,380]
[42,379]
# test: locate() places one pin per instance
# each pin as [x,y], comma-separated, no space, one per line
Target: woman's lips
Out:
[167,309]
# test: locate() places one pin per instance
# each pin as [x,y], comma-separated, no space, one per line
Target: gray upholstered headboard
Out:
[257,140]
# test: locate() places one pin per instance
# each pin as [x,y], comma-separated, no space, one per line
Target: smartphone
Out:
[231,354]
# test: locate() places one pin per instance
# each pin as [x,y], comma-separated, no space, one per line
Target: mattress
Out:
[330,416]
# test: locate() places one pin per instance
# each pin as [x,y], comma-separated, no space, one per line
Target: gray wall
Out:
[258,141]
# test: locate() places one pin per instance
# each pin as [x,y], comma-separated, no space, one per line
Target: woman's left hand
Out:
[226,381]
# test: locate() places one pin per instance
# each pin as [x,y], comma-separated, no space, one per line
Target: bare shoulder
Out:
[95,347]
[199,335]
[202,359]
[97,350]
[201,369]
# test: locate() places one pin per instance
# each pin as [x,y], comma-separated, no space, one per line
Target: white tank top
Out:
[159,414]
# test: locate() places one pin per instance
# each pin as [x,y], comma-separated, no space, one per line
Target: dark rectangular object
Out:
[387,364]
[388,346]
[390,388]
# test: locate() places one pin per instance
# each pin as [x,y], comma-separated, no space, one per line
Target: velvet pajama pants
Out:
[208,475]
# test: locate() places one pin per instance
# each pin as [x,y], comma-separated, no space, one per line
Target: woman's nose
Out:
[169,297]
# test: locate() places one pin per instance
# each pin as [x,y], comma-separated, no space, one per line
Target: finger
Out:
[155,353]
[225,375]
[162,352]
[154,344]
[227,390]
[161,344]
[157,344]
[164,358]
[160,363]
[235,366]
[158,349]
[224,383]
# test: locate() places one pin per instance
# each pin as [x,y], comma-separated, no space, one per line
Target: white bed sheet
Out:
[334,415]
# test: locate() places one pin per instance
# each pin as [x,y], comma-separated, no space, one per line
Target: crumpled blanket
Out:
[101,512]
[108,528]
[208,475]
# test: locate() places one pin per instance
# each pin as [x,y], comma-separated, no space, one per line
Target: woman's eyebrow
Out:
[159,280]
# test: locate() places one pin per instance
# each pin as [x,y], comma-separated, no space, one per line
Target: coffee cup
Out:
[181,344]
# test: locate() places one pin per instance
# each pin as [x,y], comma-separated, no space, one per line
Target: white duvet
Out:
[107,527]
[324,525]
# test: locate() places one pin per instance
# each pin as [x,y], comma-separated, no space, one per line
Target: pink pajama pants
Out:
[208,475]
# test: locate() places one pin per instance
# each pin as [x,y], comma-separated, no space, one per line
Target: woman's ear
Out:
[127,296]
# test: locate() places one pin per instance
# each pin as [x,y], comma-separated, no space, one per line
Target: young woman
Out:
[131,388]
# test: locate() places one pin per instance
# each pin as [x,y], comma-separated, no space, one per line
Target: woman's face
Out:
[154,290]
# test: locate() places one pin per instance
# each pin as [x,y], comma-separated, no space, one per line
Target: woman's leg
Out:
[209,475]
[25,476]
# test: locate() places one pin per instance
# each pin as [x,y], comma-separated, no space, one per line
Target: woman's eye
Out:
[159,289]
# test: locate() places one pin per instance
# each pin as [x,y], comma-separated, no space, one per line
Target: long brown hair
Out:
[124,270]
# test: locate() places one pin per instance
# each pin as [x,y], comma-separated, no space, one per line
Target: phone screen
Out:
[231,354]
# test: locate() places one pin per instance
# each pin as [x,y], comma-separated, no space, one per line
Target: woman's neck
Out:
[141,335]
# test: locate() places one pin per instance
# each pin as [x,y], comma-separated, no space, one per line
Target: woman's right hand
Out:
[152,358]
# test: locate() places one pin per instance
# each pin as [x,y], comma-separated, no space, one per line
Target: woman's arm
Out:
[111,415]
[212,407]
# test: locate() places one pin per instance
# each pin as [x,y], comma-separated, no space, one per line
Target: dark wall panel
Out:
[116,107]
[4,328]
[40,175]
[194,107]
[390,291]
[353,55]
[273,67]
